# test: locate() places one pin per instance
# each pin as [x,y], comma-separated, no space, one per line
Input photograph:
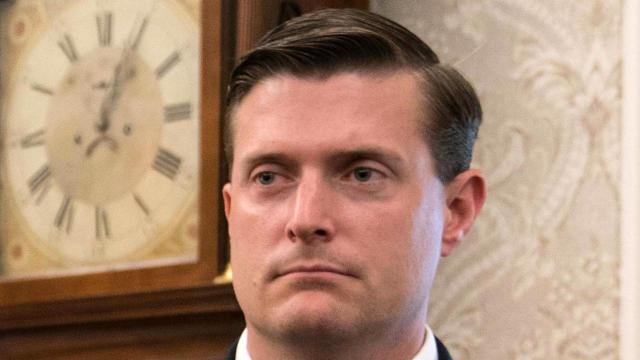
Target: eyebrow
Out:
[386,157]
[253,160]
[341,156]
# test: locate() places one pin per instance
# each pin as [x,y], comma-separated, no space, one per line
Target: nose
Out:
[312,211]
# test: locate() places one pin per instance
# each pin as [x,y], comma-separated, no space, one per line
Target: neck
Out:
[398,344]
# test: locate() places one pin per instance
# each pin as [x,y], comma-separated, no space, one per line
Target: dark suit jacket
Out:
[443,354]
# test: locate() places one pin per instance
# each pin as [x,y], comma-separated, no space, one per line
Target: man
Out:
[349,147]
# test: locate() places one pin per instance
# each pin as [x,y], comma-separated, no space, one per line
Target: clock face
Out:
[101,128]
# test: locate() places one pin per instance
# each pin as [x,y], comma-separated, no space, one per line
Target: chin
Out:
[317,316]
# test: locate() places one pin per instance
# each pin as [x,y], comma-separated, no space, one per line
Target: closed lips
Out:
[312,269]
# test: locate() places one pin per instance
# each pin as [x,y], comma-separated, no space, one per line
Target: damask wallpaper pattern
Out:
[538,276]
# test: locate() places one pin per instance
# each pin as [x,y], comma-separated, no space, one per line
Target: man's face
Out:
[335,213]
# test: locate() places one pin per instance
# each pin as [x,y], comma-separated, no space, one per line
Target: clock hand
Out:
[107,105]
[123,72]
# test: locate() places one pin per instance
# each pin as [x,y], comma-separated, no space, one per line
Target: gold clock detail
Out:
[100,132]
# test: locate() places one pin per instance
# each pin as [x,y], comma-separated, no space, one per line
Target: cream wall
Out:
[538,278]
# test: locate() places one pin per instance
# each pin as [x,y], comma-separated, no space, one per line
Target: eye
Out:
[266,177]
[363,174]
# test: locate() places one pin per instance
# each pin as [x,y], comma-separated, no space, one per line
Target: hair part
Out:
[329,42]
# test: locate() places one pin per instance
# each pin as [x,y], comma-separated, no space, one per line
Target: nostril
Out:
[307,235]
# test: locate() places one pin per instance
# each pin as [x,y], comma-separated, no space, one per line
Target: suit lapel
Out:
[443,353]
[232,352]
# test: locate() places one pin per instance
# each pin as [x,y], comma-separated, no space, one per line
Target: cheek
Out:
[253,230]
[402,243]
[384,238]
[256,224]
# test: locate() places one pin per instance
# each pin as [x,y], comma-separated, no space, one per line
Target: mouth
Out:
[318,270]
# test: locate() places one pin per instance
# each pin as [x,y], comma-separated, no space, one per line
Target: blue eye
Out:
[266,177]
[363,174]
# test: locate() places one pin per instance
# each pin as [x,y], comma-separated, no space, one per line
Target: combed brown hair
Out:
[327,42]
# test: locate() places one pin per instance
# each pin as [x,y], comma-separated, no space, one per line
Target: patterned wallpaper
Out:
[538,276]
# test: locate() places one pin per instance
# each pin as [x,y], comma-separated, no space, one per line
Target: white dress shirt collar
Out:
[428,351]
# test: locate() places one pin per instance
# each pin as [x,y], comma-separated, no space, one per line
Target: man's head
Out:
[332,41]
[350,149]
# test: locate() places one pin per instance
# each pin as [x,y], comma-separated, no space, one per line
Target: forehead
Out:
[342,111]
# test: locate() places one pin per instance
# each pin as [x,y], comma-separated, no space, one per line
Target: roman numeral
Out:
[41,89]
[141,204]
[40,182]
[177,112]
[137,32]
[35,138]
[167,64]
[166,163]
[67,47]
[102,223]
[104,21]
[64,217]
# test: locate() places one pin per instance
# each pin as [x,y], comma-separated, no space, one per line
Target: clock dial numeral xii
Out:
[103,22]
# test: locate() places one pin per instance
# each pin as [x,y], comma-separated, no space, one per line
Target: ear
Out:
[226,196]
[465,196]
